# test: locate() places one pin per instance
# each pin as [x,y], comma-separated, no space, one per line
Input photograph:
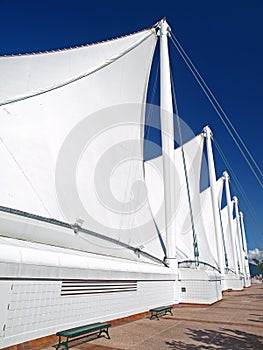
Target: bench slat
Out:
[81,330]
[77,329]
[75,332]
[161,308]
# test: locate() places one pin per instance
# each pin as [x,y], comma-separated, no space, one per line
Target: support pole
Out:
[239,239]
[167,126]
[230,220]
[241,215]
[247,272]
[215,204]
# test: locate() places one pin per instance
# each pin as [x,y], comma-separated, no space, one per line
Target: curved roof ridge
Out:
[78,46]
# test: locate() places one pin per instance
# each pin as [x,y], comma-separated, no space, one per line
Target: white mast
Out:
[230,219]
[246,266]
[167,126]
[215,204]
[241,215]
[239,240]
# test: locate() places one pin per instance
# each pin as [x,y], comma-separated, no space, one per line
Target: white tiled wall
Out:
[36,309]
[232,282]
[200,291]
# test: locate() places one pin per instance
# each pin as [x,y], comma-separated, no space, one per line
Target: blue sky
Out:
[223,39]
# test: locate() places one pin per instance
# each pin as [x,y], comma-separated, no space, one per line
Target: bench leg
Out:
[59,341]
[154,316]
[62,343]
[161,313]
[169,311]
[106,330]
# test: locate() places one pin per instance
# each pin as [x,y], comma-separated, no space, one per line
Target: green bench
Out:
[160,311]
[82,330]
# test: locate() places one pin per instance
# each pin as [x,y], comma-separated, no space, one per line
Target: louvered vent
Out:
[85,287]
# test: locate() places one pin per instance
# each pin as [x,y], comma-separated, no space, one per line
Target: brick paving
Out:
[236,322]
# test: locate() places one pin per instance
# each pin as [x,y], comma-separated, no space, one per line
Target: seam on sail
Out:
[25,175]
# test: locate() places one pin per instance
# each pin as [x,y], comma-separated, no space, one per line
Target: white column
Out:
[239,239]
[247,272]
[230,220]
[215,204]
[241,215]
[167,126]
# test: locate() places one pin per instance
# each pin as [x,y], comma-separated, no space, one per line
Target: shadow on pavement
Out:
[223,339]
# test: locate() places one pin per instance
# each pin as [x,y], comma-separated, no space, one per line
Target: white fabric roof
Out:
[28,75]
[193,151]
[208,218]
[201,202]
[227,234]
[71,137]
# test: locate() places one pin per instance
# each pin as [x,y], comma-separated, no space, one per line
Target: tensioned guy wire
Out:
[218,104]
[237,184]
[219,110]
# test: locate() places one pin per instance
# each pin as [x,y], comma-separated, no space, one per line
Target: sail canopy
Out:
[24,76]
[208,218]
[227,234]
[71,137]
[199,229]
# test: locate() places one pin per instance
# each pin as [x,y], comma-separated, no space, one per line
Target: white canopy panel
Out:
[236,247]
[28,75]
[227,234]
[71,137]
[239,250]
[208,217]
[193,151]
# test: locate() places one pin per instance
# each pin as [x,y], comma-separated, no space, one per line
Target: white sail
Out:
[71,137]
[227,235]
[208,219]
[23,76]
[230,206]
[236,247]
[193,151]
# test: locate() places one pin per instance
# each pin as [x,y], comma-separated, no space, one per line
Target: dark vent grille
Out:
[85,287]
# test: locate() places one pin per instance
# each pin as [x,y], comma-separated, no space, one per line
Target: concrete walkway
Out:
[236,322]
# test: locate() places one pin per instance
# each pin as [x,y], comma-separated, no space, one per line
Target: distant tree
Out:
[259,264]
